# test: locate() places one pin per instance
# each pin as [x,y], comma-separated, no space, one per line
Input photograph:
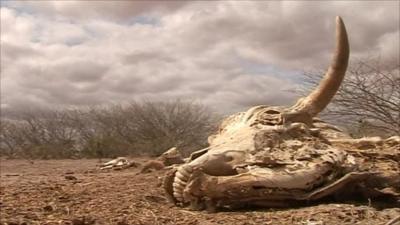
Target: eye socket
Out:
[198,153]
[271,111]
[228,158]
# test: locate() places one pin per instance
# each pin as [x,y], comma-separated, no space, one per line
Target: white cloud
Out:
[83,10]
[224,54]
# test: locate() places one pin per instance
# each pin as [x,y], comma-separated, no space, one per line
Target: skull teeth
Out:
[178,186]
[178,196]
[184,172]
[180,181]
[179,176]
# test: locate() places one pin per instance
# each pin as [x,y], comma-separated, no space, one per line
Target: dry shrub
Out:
[140,128]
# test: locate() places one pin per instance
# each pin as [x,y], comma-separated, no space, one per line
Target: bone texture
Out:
[275,156]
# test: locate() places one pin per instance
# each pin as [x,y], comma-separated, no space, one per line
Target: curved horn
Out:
[317,100]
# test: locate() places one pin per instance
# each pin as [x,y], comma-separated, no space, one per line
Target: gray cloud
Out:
[82,10]
[229,55]
[139,57]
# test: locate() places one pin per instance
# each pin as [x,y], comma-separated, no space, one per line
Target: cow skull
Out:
[270,155]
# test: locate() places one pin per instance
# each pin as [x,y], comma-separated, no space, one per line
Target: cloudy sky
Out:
[227,55]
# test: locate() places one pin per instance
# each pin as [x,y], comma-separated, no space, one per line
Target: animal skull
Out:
[117,164]
[270,156]
[171,156]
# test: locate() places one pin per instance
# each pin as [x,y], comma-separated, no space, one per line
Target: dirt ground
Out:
[75,192]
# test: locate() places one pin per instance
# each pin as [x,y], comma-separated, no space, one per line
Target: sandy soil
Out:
[74,192]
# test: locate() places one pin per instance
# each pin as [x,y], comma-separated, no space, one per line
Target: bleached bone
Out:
[118,163]
[171,156]
[272,155]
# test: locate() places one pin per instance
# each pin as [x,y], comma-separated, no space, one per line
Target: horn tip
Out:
[339,20]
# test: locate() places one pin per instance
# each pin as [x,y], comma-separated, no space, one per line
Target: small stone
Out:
[78,222]
[70,177]
[48,208]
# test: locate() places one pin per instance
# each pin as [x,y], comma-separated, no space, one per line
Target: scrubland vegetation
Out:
[368,101]
[140,128]
[367,104]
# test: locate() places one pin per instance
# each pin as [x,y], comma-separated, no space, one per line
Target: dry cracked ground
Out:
[75,192]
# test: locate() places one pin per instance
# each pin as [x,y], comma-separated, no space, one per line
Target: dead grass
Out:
[42,193]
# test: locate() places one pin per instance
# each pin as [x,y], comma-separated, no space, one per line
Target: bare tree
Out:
[39,134]
[139,128]
[152,127]
[156,126]
[368,102]
[11,138]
